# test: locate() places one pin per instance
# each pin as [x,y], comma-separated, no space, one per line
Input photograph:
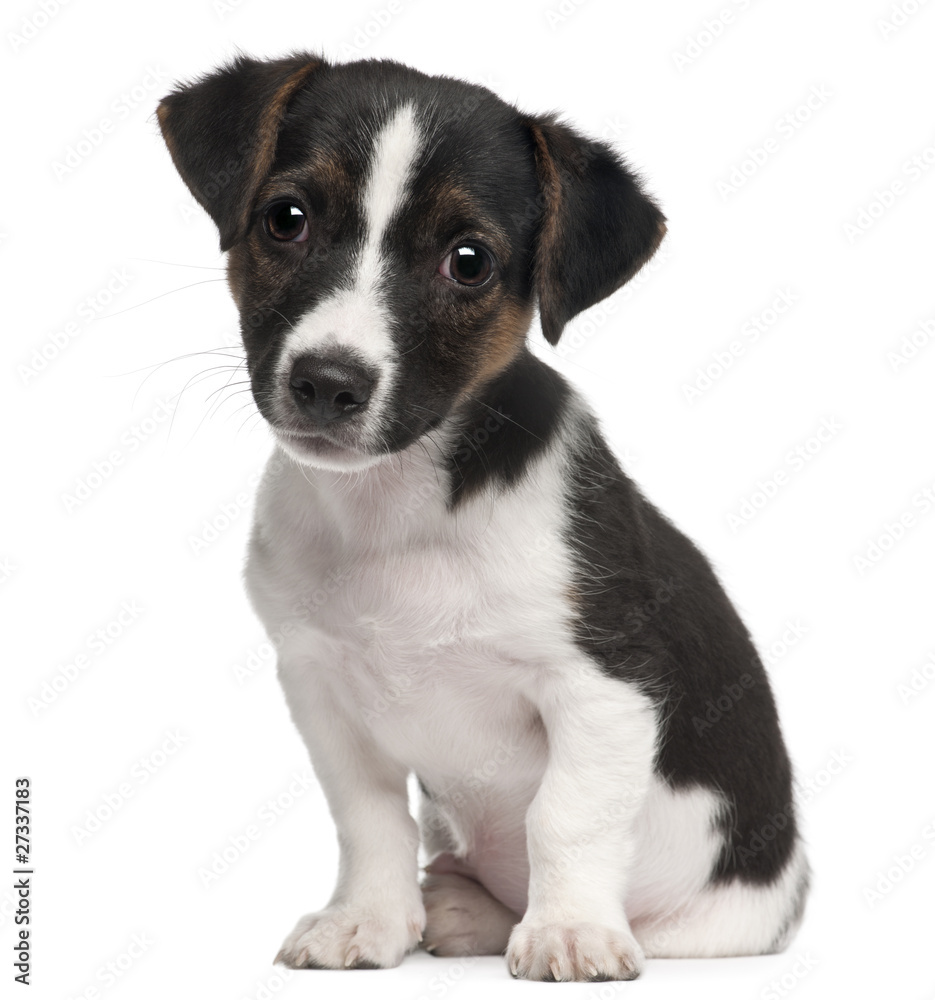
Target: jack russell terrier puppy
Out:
[467,587]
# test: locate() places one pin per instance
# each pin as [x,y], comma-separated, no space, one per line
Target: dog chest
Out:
[428,624]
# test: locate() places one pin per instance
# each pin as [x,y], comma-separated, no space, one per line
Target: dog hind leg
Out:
[463,918]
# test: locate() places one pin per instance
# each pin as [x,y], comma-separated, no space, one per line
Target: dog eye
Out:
[286,222]
[468,265]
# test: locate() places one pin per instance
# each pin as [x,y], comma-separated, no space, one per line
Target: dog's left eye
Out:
[286,222]
[468,265]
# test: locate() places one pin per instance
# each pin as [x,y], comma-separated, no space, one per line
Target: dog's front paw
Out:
[575,952]
[351,938]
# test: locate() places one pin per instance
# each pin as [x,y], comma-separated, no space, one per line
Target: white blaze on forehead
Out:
[357,318]
[394,154]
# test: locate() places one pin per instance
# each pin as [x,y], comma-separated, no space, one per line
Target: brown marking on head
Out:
[327,171]
[270,124]
[162,114]
[596,225]
[501,344]
[222,132]
[549,242]
[447,205]
[250,265]
[331,172]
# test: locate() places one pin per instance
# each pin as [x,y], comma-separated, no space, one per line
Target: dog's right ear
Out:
[222,132]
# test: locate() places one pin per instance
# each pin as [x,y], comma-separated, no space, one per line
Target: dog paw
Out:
[576,952]
[462,918]
[351,938]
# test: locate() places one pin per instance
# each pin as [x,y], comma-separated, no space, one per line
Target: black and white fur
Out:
[464,584]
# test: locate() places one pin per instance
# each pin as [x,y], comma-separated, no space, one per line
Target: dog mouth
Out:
[323,450]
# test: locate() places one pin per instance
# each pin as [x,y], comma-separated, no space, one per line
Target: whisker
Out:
[215,352]
[227,385]
[162,295]
[505,417]
[411,349]
[218,351]
[172,263]
[278,313]
[234,370]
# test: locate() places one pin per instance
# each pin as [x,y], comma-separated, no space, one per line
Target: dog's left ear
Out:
[596,225]
[222,132]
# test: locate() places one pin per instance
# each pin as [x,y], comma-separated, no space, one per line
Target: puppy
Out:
[463,584]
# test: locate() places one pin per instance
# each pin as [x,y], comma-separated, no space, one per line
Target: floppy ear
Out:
[596,227]
[222,132]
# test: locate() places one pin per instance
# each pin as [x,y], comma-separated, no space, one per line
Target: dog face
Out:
[390,235]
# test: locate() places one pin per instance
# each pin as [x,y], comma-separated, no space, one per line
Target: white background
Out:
[114,245]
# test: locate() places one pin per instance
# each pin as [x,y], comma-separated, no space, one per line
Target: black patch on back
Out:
[653,612]
[505,427]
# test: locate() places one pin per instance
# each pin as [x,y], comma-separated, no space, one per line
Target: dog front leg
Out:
[579,829]
[376,913]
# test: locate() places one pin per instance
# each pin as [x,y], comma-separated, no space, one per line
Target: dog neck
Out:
[486,445]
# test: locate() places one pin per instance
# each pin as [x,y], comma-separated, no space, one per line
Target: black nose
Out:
[327,389]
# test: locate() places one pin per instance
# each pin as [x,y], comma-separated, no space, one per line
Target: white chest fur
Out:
[429,624]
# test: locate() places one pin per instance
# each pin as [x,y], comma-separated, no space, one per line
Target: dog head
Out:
[389,236]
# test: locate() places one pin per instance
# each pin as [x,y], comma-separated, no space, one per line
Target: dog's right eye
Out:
[286,222]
